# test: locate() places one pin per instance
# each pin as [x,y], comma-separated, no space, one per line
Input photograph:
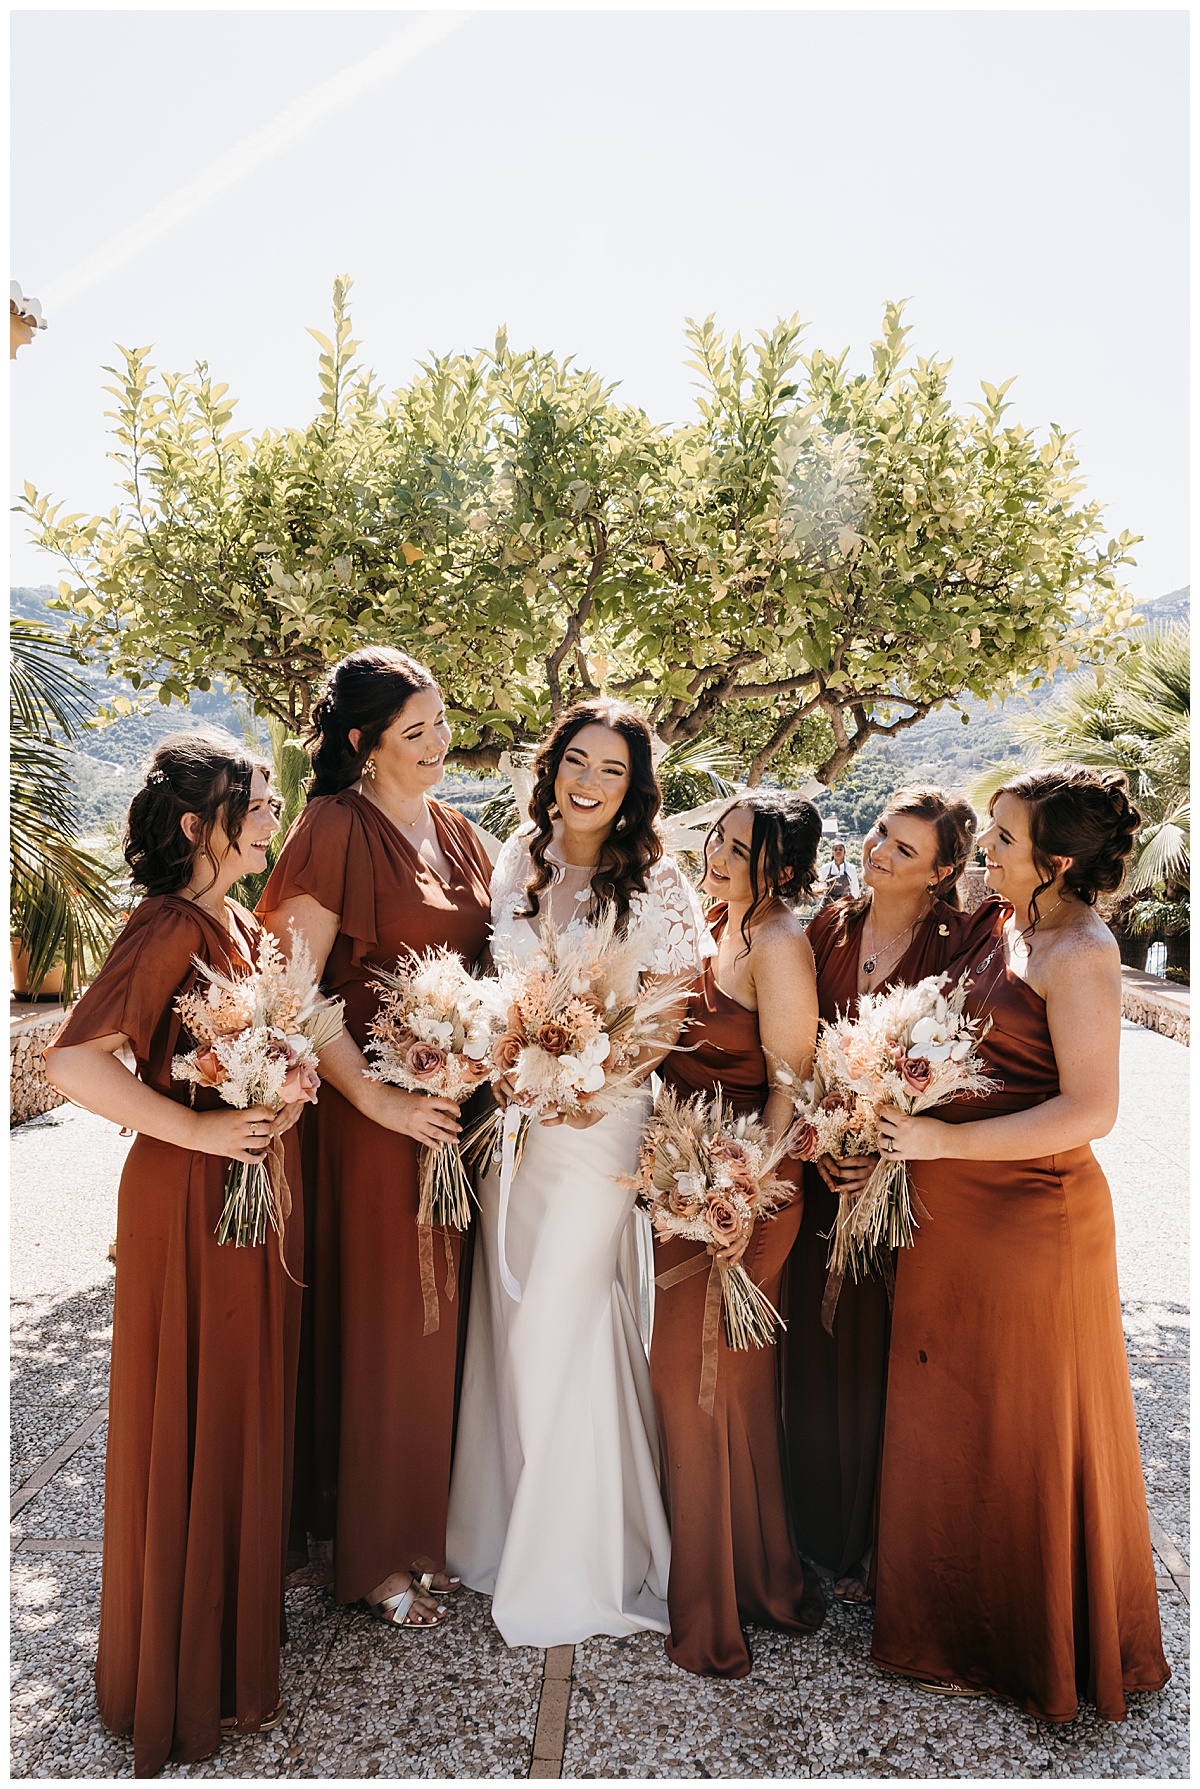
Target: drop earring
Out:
[369,769]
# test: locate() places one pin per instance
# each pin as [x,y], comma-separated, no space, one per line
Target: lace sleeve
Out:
[509,879]
[677,939]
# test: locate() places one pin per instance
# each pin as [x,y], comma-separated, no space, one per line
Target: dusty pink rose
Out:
[506,1051]
[684,1202]
[476,1066]
[724,1220]
[834,1102]
[300,1083]
[402,1041]
[803,1147]
[424,1061]
[211,1067]
[917,1072]
[554,1038]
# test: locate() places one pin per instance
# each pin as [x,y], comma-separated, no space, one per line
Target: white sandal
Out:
[394,1611]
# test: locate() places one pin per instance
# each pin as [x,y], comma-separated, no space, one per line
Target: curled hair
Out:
[367,689]
[1082,814]
[784,841]
[206,773]
[633,845]
[954,823]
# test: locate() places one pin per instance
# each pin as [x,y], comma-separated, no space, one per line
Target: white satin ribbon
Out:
[508,1163]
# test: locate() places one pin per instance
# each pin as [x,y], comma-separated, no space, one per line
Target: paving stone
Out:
[365,1701]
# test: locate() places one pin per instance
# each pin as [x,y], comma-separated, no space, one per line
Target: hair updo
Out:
[206,773]
[954,823]
[633,845]
[1082,814]
[367,689]
[784,841]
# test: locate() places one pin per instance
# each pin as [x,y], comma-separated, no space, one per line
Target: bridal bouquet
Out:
[579,1019]
[911,1047]
[258,1035]
[707,1176]
[433,1033]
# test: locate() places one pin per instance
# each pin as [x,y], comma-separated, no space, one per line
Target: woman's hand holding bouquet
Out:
[909,1049]
[258,1038]
[432,1035]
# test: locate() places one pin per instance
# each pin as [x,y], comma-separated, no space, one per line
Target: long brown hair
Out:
[633,845]
[954,823]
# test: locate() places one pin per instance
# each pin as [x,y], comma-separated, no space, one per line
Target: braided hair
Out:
[784,840]
[367,689]
[1082,814]
[633,845]
[206,773]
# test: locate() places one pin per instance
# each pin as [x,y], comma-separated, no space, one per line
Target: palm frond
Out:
[43,693]
[1164,852]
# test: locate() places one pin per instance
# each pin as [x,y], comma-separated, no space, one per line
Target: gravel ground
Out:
[365,1702]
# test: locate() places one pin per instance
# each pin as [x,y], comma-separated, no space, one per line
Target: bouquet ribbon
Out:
[429,1297]
[508,1167]
[281,1199]
[687,1270]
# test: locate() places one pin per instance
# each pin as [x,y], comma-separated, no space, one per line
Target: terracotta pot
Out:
[52,981]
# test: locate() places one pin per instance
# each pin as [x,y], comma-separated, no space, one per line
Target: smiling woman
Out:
[375,869]
[205,1337]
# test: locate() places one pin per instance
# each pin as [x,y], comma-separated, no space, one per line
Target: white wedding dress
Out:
[555,1506]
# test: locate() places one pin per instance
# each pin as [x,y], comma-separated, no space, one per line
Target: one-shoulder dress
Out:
[834,1385]
[201,1400]
[733,1552]
[379,1378]
[1013,1549]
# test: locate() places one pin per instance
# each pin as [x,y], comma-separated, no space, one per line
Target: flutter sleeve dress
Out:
[1013,1552]
[201,1400]
[733,1552]
[383,1299]
[834,1385]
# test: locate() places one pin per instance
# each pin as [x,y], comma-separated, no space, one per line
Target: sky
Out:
[194,180]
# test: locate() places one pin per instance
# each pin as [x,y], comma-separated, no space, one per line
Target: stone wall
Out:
[29,1092]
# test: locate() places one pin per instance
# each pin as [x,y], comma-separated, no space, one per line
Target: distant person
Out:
[838,879]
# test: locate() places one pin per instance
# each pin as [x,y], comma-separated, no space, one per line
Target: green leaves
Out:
[832,552]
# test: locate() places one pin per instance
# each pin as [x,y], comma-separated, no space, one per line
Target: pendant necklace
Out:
[868,965]
[979,967]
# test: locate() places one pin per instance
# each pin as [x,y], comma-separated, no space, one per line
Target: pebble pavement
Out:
[365,1702]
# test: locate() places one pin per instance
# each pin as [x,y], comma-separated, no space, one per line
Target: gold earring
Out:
[369,769]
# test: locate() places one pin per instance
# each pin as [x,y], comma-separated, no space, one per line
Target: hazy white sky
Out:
[590,179]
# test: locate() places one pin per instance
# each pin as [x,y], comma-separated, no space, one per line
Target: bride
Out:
[555,1507]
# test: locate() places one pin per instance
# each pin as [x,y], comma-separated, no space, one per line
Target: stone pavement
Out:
[366,1702]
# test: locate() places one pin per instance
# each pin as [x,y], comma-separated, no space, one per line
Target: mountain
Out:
[940,749]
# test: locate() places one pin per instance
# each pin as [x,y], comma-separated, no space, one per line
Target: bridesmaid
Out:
[906,925]
[205,1337]
[1014,1551]
[372,869]
[733,1555]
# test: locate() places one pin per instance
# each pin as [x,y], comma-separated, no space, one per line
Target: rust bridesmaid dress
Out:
[834,1385]
[1013,1552]
[733,1555]
[384,1301]
[205,1338]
